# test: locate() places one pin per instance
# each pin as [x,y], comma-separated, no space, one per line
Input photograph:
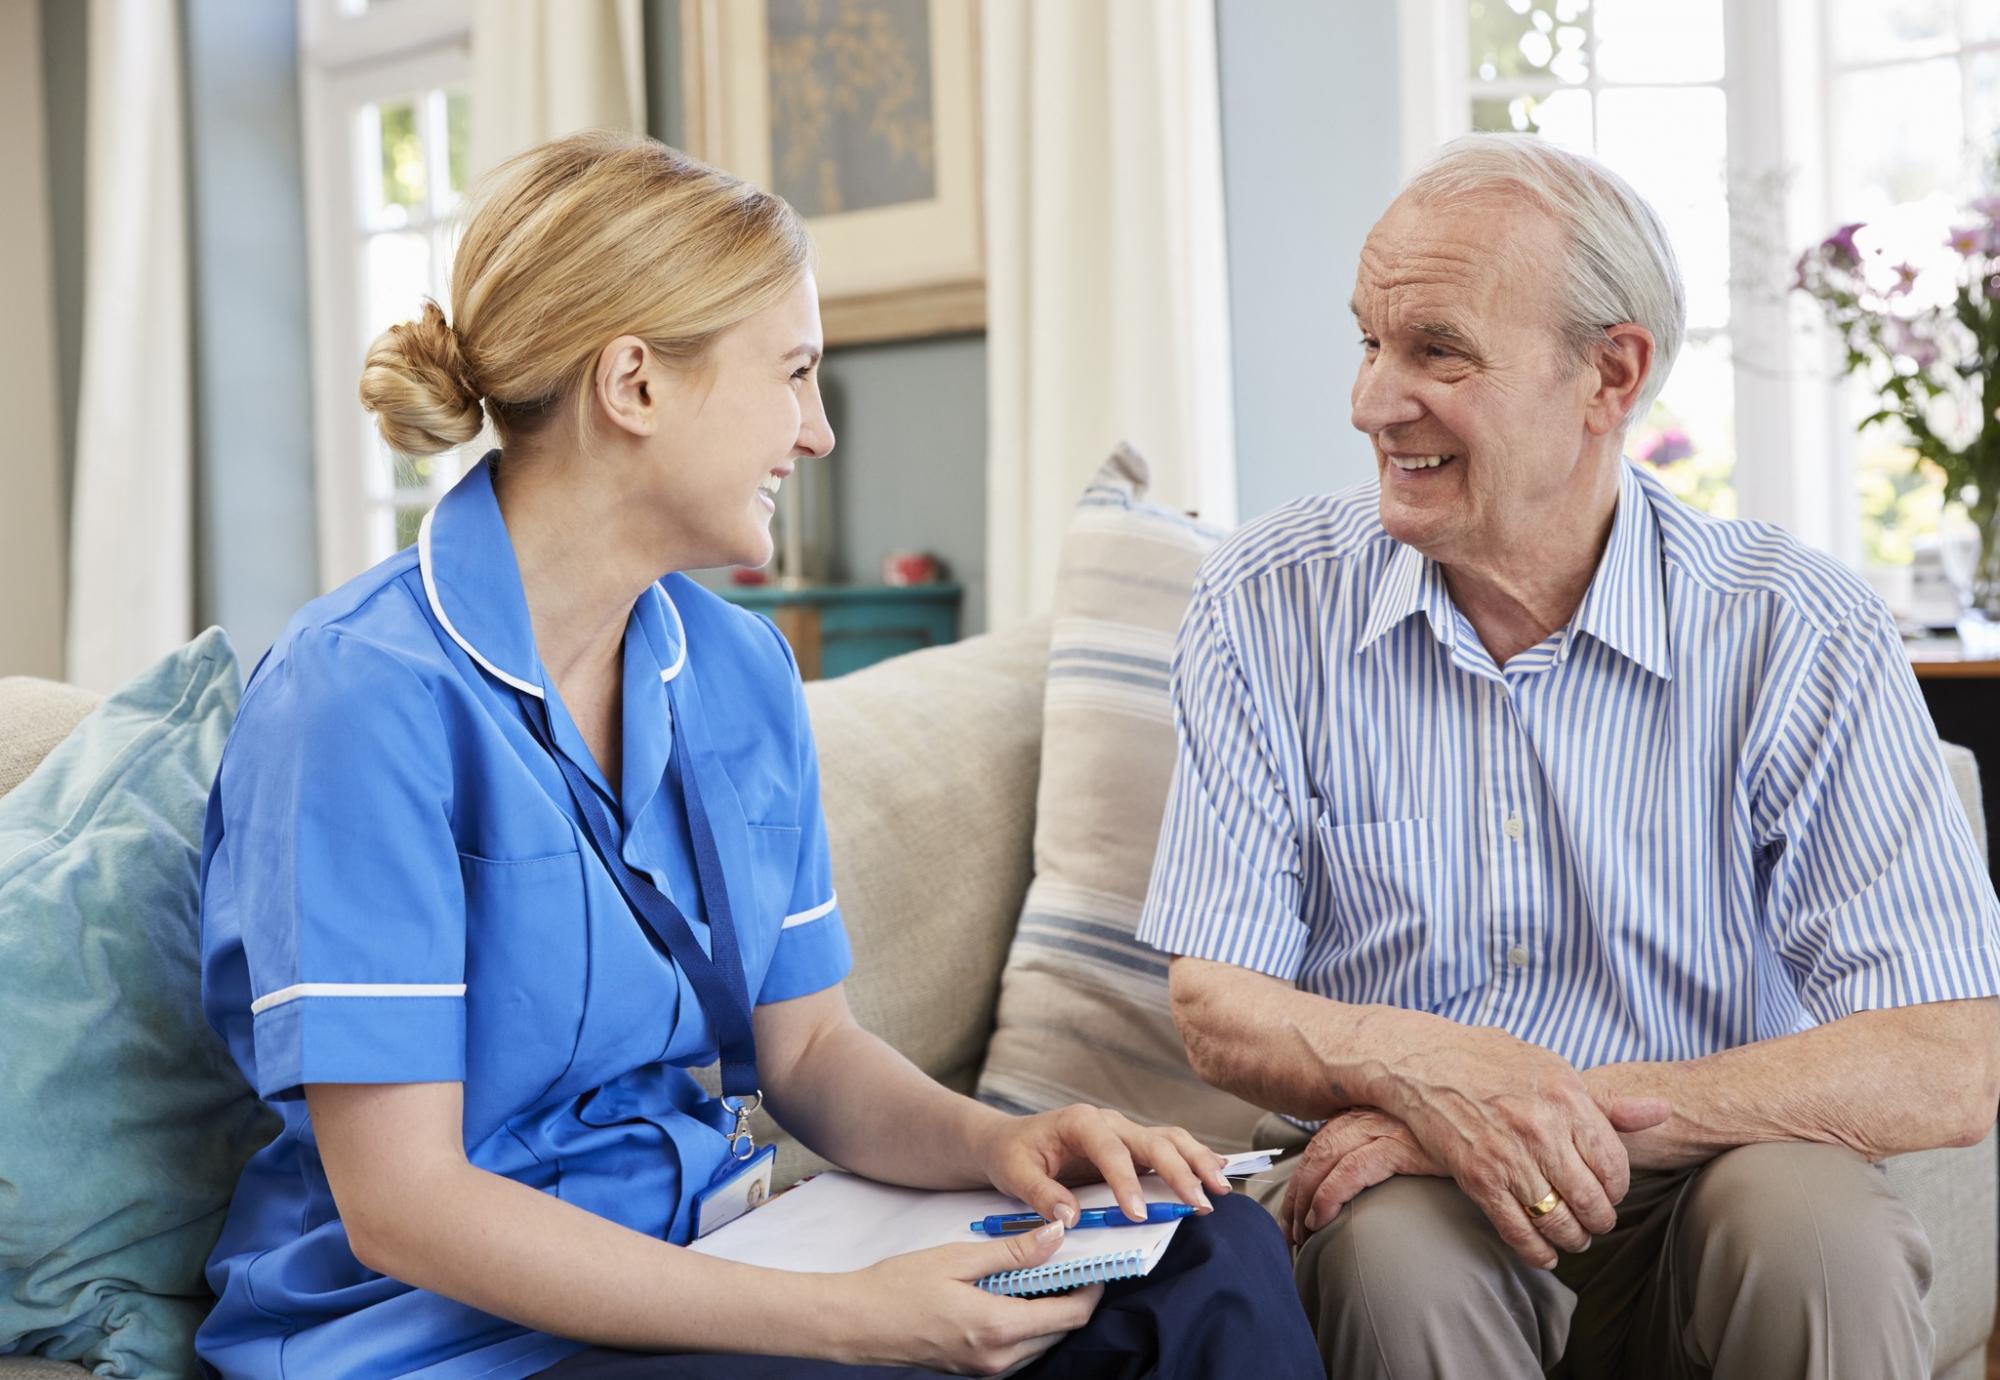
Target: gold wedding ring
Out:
[1544,1207]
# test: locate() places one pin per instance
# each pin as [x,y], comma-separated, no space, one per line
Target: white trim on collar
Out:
[681,644]
[430,593]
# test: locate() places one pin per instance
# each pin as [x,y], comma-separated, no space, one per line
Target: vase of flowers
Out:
[1928,341]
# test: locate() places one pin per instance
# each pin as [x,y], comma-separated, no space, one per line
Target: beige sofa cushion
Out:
[1083,1006]
[35,715]
[927,775]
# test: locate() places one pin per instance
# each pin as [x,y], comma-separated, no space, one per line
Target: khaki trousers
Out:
[1769,1262]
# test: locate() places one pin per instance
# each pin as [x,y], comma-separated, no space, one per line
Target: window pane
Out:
[397,270]
[1689,439]
[1514,39]
[395,154]
[1562,117]
[1900,505]
[1870,30]
[408,520]
[415,471]
[458,138]
[1983,74]
[1672,146]
[1982,21]
[1896,133]
[1645,41]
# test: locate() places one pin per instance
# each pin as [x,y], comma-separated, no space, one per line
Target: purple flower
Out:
[1967,240]
[1666,446]
[1839,246]
[1912,344]
[1987,206]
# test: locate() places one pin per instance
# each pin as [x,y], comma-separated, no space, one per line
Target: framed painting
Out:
[864,115]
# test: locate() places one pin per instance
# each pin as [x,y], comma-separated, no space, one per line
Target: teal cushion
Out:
[123,1123]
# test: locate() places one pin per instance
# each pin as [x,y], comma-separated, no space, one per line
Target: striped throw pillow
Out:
[1083,1013]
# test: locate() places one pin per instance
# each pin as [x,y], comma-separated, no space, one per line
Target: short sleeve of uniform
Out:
[812,951]
[334,796]
[1226,881]
[1877,896]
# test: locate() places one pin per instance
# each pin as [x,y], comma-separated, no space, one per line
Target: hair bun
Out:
[417,383]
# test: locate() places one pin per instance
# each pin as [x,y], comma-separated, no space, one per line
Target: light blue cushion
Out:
[123,1123]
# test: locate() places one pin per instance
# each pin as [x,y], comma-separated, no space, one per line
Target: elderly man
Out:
[1585,864]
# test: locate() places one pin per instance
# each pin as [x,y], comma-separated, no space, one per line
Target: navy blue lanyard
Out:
[718,982]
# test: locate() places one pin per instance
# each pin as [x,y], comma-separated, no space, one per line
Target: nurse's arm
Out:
[849,1095]
[417,1210]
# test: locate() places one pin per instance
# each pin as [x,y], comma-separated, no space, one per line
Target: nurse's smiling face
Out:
[710,445]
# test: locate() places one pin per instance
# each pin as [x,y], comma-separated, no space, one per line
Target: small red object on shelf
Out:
[911,568]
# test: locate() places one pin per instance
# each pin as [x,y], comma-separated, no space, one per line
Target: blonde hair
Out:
[569,246]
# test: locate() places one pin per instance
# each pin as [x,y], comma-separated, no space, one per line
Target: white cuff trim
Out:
[806,917]
[355,989]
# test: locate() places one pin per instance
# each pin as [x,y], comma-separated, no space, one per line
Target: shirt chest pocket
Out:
[525,953]
[1392,943]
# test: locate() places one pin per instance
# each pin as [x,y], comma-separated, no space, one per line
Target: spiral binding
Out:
[1067,1274]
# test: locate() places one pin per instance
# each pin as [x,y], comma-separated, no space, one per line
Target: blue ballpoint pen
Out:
[1011,1223]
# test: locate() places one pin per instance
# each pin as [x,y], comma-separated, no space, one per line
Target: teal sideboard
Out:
[835,629]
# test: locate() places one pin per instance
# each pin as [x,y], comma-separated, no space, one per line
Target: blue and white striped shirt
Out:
[1709,811]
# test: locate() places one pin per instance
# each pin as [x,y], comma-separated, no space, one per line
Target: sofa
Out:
[929,768]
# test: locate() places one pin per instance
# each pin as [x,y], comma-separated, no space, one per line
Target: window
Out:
[1914,96]
[1638,85]
[386,119]
[1754,127]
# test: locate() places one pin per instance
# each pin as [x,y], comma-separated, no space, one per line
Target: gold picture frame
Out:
[871,128]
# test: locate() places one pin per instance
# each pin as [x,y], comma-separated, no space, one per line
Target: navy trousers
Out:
[1220,1304]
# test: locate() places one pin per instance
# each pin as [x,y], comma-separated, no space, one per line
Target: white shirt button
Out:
[1513,826]
[1517,956]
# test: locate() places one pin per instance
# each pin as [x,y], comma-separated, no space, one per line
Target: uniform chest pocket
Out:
[1392,944]
[525,952]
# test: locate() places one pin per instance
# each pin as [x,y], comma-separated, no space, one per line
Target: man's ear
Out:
[1623,363]
[623,386]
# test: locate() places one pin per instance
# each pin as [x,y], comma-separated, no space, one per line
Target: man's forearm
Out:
[1277,1047]
[1881,1083]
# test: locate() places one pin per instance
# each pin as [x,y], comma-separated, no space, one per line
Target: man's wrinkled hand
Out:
[1511,1122]
[1355,1150]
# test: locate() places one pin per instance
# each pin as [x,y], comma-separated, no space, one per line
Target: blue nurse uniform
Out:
[396,889]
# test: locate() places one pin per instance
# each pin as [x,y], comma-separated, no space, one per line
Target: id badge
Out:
[744,1185]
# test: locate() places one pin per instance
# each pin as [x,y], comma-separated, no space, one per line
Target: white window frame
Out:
[349,60]
[1788,406]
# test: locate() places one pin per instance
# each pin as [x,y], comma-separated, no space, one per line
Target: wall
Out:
[255,530]
[1310,158]
[31,530]
[909,419]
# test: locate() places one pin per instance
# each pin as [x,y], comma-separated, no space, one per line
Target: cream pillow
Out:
[1083,1010]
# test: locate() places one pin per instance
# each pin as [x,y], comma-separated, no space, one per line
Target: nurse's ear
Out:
[627,386]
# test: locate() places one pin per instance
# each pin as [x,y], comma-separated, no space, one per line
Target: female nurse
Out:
[514,829]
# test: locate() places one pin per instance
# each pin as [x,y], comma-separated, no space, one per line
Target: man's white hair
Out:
[1621,265]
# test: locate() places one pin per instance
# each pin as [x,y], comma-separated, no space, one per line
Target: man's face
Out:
[1461,359]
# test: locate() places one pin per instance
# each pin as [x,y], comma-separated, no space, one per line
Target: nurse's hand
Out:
[1032,1157]
[926,1309]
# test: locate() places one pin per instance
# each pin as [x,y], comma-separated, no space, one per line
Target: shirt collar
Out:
[1624,608]
[473,583]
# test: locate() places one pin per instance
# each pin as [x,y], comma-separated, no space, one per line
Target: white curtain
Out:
[542,68]
[131,524]
[1107,290]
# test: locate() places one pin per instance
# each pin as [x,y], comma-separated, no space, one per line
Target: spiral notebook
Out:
[838,1222]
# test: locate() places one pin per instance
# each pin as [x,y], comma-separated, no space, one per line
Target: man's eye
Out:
[1440,352]
[1368,342]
